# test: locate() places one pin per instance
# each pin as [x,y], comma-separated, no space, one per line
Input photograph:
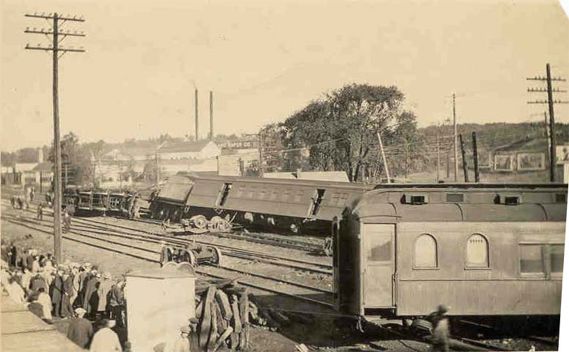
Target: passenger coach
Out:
[402,250]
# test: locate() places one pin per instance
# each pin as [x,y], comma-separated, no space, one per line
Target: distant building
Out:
[334,176]
[245,141]
[521,156]
[188,150]
[39,173]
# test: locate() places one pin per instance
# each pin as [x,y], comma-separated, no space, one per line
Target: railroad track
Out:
[255,280]
[300,264]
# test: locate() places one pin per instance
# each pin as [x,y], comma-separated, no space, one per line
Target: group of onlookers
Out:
[67,290]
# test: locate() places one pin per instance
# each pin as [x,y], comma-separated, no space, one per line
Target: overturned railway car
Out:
[96,202]
[484,250]
[289,205]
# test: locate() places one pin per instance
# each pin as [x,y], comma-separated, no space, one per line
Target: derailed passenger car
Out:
[298,206]
[485,250]
[96,202]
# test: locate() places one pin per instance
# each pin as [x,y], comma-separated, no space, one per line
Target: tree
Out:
[77,157]
[340,130]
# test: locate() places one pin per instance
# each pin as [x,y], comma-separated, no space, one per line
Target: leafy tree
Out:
[340,130]
[78,159]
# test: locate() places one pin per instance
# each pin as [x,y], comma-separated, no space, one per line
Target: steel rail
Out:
[230,251]
[27,224]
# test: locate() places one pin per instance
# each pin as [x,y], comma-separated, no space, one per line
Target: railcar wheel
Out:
[199,221]
[217,257]
[192,258]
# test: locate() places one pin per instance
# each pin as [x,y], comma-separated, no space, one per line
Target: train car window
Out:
[426,256]
[560,198]
[378,249]
[477,252]
[531,259]
[223,194]
[556,258]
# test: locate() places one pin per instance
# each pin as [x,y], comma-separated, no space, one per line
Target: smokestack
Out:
[210,115]
[196,104]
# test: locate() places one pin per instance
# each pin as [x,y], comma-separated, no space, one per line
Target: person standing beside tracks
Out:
[80,330]
[103,290]
[440,332]
[40,211]
[117,302]
[45,301]
[56,291]
[66,221]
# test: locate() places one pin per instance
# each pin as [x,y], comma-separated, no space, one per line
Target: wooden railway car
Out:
[484,250]
[99,202]
[294,205]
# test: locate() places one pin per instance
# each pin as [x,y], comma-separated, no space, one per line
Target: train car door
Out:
[379,264]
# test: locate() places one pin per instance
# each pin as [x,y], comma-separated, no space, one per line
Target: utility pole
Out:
[464,164]
[383,157]
[475,156]
[438,160]
[455,138]
[197,123]
[57,51]
[210,115]
[260,154]
[547,135]
[157,169]
[550,102]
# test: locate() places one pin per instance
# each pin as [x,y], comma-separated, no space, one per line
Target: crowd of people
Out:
[78,292]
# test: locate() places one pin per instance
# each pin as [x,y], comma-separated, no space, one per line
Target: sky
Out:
[264,60]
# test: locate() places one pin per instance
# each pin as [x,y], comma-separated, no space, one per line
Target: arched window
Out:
[477,252]
[426,252]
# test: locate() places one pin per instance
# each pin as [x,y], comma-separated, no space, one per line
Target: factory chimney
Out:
[210,115]
[196,104]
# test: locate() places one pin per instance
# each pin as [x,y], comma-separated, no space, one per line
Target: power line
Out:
[57,36]
[550,102]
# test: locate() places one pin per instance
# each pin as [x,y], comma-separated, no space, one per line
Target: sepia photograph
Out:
[284,175]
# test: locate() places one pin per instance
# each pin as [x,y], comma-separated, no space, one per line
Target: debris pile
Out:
[226,311]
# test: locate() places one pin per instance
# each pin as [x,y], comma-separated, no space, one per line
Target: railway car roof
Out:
[478,204]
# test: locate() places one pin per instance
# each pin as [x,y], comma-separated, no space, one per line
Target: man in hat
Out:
[440,333]
[117,302]
[106,340]
[80,330]
[45,301]
[56,292]
[91,299]
[38,281]
[12,255]
[40,211]
[76,284]
[103,292]
[66,307]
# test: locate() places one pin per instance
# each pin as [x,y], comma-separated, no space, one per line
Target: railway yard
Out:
[286,274]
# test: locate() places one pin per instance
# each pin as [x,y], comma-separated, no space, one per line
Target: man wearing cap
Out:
[103,292]
[66,307]
[440,333]
[80,330]
[91,299]
[56,292]
[38,282]
[106,340]
[117,302]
